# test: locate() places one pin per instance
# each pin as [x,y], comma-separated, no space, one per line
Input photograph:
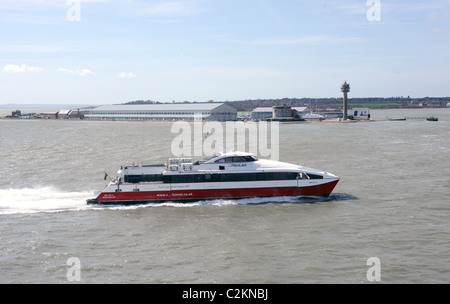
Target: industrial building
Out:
[62,114]
[49,115]
[359,113]
[165,111]
[270,112]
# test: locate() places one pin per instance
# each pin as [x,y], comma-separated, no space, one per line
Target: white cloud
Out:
[12,68]
[82,73]
[86,72]
[126,75]
[67,71]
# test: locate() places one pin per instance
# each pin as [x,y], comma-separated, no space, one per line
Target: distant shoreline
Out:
[4,116]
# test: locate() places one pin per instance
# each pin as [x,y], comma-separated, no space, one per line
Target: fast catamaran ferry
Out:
[229,175]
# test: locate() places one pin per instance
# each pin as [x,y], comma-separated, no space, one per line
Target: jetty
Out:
[429,118]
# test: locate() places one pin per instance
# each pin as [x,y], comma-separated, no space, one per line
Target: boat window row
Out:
[144,178]
[215,177]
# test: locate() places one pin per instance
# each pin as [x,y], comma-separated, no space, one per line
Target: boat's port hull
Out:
[138,197]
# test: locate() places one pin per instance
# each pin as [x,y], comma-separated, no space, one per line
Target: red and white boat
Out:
[230,175]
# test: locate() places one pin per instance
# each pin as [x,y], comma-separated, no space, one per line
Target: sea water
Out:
[392,204]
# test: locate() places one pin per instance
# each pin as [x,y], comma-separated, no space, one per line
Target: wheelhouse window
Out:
[250,158]
[237,159]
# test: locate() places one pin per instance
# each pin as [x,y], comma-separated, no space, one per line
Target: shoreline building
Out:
[62,114]
[263,113]
[165,112]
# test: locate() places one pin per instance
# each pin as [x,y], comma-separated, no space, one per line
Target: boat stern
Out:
[92,201]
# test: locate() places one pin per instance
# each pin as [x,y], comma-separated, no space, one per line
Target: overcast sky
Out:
[114,51]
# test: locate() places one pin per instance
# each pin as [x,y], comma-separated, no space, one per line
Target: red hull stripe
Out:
[175,195]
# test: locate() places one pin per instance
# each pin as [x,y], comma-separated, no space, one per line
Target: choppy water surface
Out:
[391,203]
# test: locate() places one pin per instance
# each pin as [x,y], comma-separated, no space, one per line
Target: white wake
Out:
[50,199]
[44,199]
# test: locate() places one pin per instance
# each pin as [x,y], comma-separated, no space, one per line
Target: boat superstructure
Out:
[225,175]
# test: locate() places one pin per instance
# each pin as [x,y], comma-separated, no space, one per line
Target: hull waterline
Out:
[182,196]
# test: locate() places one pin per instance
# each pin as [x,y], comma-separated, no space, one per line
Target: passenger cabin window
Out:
[135,179]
